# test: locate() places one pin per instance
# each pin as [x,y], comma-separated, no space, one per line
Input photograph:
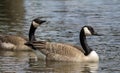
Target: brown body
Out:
[13,42]
[62,52]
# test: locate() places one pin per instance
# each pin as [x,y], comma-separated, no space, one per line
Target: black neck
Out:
[84,44]
[31,33]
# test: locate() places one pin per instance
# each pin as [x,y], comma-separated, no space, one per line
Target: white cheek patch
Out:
[87,31]
[35,24]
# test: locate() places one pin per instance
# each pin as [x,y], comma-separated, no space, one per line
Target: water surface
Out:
[66,17]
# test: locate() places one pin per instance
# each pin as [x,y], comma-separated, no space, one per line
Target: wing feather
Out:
[58,48]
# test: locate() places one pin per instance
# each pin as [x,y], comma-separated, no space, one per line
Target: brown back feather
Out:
[12,39]
[58,48]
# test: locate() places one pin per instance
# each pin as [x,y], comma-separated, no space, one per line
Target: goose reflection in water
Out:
[63,67]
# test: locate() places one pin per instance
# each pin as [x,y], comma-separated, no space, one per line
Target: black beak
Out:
[29,44]
[39,20]
[42,21]
[96,34]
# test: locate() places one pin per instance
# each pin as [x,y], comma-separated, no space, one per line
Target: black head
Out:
[88,30]
[36,22]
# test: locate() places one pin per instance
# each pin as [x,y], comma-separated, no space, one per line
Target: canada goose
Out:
[66,52]
[13,42]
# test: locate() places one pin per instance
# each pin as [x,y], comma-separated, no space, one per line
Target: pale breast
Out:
[7,46]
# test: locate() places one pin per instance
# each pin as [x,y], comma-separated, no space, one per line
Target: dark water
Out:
[66,19]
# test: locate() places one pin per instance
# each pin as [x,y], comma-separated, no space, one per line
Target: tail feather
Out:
[36,44]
